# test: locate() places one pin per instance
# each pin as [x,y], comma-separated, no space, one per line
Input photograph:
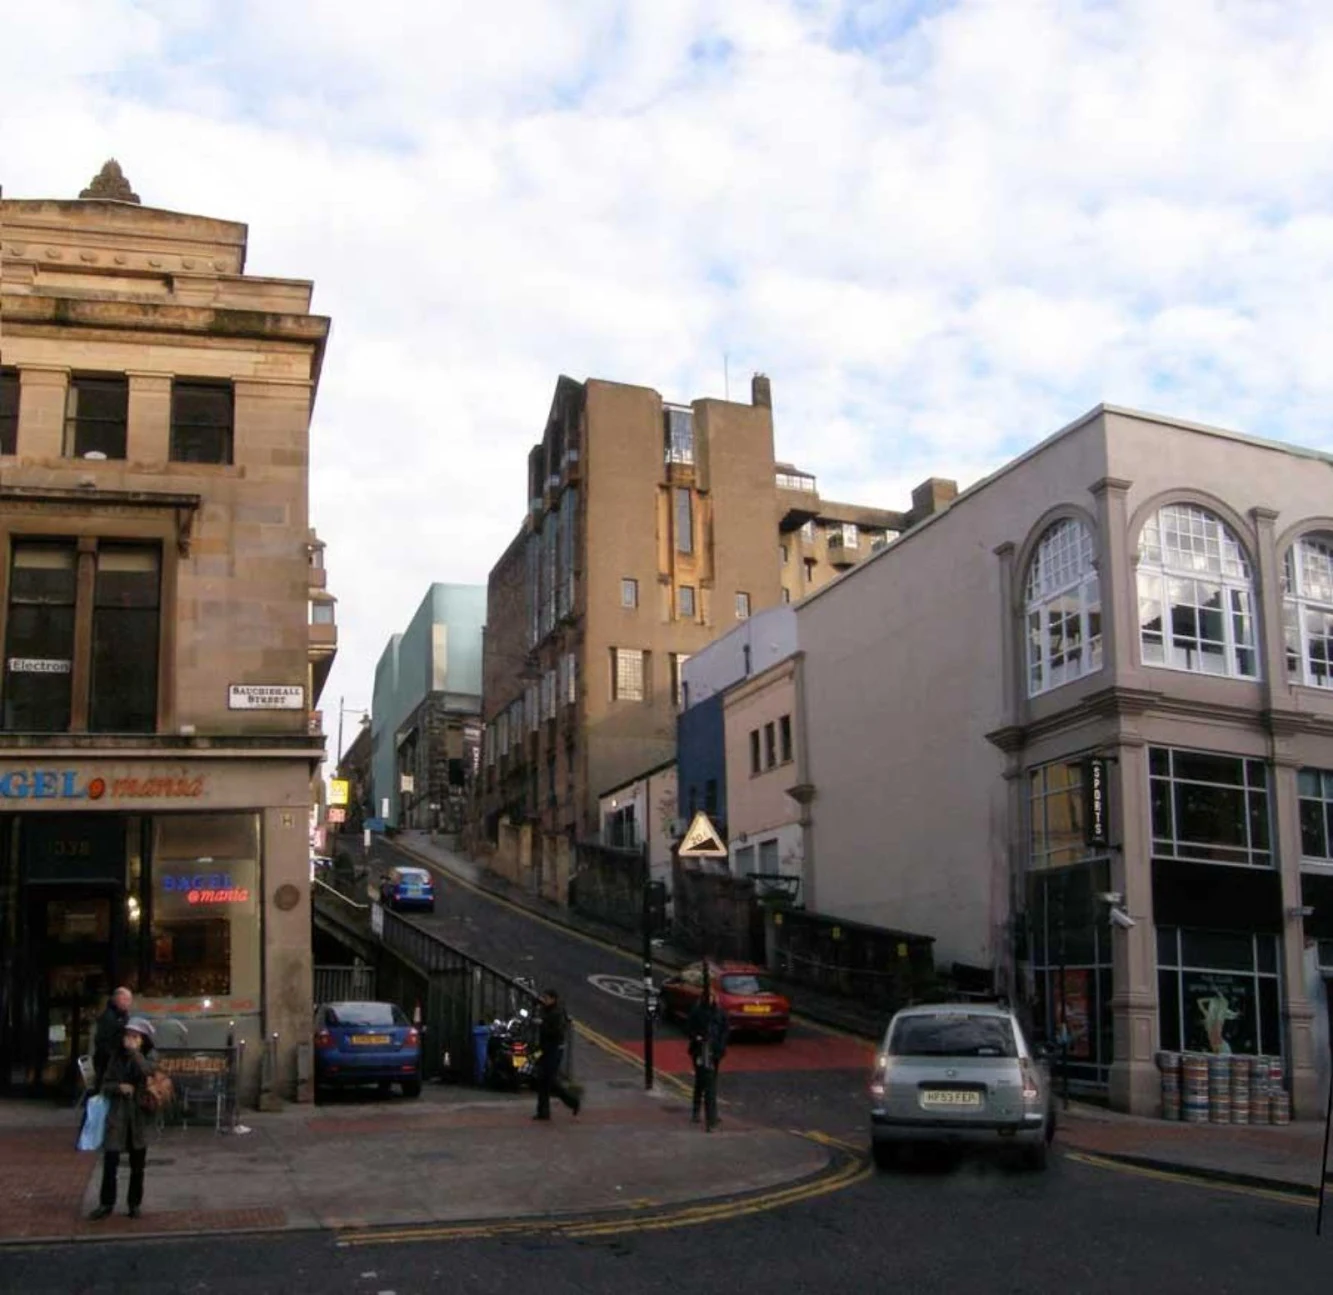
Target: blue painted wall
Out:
[701,756]
[439,651]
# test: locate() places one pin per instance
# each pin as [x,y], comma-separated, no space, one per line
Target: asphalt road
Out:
[951,1226]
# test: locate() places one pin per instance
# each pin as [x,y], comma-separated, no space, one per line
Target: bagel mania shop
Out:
[185,880]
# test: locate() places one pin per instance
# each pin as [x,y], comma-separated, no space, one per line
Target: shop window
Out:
[1316,801]
[39,640]
[1209,808]
[204,932]
[201,422]
[1196,595]
[9,411]
[96,414]
[1055,807]
[126,631]
[1218,992]
[1307,589]
[1064,609]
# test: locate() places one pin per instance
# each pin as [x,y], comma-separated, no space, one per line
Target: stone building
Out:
[650,530]
[1079,728]
[156,749]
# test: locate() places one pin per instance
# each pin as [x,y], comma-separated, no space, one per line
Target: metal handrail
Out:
[338,895]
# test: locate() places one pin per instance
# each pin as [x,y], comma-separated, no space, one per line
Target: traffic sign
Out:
[702,841]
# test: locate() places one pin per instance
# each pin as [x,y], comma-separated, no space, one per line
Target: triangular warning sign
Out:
[702,840]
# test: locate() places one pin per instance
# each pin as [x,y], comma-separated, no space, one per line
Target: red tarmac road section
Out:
[796,1052]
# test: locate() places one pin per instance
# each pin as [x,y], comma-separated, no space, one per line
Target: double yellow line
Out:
[1190,1180]
[599,1040]
[853,1171]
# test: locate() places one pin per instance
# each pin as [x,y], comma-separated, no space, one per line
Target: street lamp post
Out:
[345,710]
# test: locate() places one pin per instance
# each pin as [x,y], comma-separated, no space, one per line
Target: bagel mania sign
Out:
[66,785]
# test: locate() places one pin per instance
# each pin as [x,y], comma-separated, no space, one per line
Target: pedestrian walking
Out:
[124,1086]
[110,1026]
[708,1031]
[552,1036]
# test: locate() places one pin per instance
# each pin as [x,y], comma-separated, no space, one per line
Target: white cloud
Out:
[942,230]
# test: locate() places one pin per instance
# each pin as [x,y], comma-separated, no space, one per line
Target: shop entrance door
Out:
[70,969]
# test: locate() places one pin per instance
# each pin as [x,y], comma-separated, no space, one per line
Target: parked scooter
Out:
[511,1052]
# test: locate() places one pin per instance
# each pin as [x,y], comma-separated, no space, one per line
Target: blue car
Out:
[366,1043]
[408,888]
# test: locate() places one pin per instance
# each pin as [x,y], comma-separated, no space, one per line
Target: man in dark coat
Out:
[552,1032]
[110,1026]
[708,1030]
[127,1071]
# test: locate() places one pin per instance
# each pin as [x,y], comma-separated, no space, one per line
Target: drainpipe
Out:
[804,778]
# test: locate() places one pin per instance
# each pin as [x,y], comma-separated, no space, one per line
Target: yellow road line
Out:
[687,1216]
[624,1054]
[1166,1176]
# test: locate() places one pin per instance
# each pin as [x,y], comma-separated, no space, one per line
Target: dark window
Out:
[1316,802]
[784,727]
[684,522]
[201,422]
[125,639]
[754,750]
[1210,808]
[39,646]
[679,430]
[953,1035]
[96,410]
[9,411]
[786,594]
[770,746]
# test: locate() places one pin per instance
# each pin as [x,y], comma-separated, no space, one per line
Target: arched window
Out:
[1196,595]
[1064,608]
[1307,588]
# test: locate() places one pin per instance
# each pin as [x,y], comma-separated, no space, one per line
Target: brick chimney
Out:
[761,391]
[932,496]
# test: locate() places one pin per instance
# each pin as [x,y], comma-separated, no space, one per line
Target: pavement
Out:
[1284,1158]
[454,1156]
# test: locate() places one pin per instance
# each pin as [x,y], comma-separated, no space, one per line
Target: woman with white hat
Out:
[126,1120]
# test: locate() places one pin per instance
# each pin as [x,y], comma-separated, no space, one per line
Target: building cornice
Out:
[85,499]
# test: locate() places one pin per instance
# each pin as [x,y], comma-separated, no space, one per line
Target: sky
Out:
[944,230]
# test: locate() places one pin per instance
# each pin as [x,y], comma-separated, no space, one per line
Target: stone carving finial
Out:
[110,183]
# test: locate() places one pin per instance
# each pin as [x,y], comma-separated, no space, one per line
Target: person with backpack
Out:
[133,1087]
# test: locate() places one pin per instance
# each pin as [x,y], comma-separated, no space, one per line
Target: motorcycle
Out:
[511,1052]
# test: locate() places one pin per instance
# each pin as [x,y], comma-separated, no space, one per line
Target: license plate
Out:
[949,1097]
[757,1009]
[369,1040]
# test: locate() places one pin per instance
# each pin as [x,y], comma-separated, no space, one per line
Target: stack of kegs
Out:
[1219,1088]
[1194,1088]
[1279,1100]
[1169,1064]
[1241,1073]
[1259,1090]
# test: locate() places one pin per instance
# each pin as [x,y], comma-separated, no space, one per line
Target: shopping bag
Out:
[94,1124]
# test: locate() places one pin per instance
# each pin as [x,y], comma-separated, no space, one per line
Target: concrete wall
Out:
[654,799]
[770,636]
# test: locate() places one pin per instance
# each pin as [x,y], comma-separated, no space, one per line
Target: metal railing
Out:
[354,984]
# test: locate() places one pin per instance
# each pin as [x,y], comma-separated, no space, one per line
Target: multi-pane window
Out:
[685,602]
[847,535]
[627,674]
[126,619]
[1218,991]
[1064,608]
[201,422]
[1055,809]
[742,606]
[684,520]
[795,481]
[96,414]
[629,592]
[119,658]
[678,660]
[1196,595]
[1307,589]
[39,643]
[9,411]
[784,733]
[1209,808]
[679,435]
[1316,802]
[322,613]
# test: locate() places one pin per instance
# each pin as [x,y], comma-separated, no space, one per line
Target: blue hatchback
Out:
[408,888]
[366,1043]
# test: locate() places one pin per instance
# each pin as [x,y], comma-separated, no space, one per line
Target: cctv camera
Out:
[1122,919]
[1111,897]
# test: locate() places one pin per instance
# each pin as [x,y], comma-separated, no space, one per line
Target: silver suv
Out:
[960,1073]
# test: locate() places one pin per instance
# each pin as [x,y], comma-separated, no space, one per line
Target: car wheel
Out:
[412,1087]
[885,1155]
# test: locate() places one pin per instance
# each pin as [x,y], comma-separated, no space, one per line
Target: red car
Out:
[741,989]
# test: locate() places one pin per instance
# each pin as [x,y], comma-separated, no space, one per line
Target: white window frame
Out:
[623,687]
[1307,610]
[1191,561]
[742,605]
[629,592]
[1063,608]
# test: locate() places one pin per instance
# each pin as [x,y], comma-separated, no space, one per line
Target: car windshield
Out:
[953,1035]
[366,1014]
[411,874]
[745,984]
